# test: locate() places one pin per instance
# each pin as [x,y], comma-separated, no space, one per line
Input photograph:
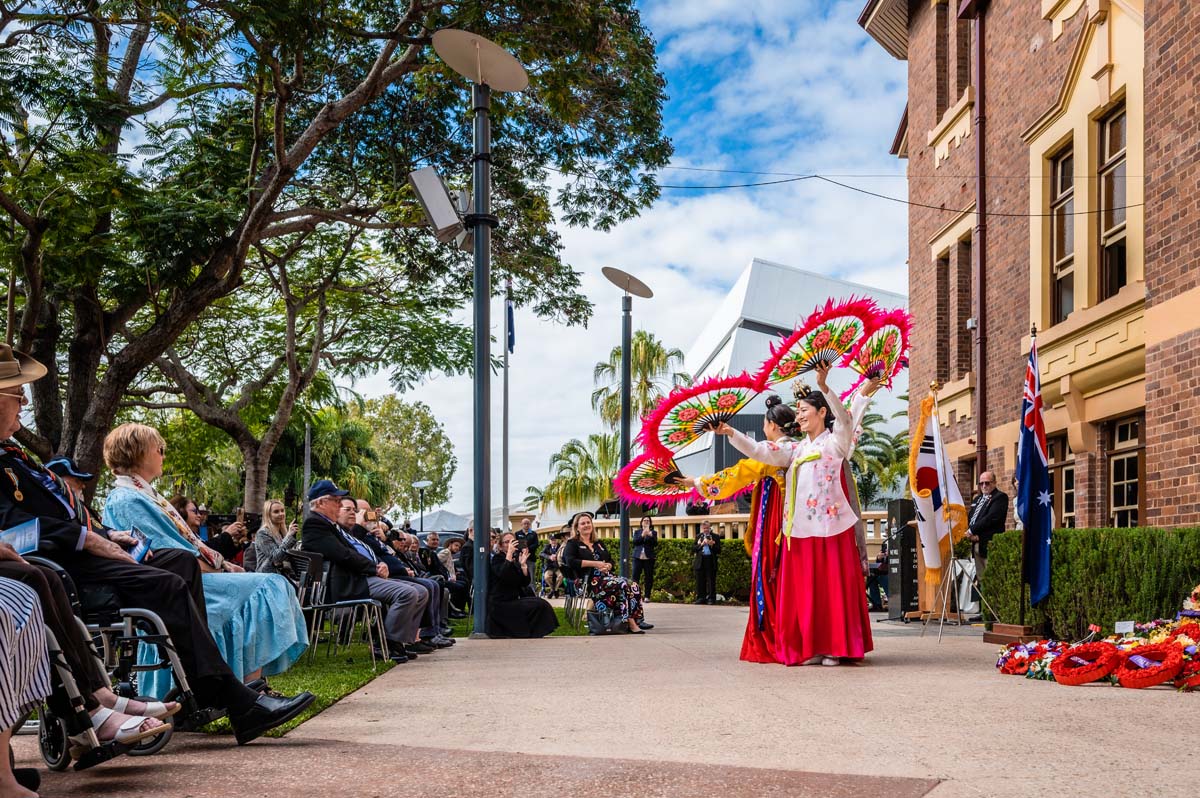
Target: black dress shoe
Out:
[644,625]
[458,615]
[396,655]
[266,714]
[419,648]
[28,778]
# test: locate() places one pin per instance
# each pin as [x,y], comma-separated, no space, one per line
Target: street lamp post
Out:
[489,68]
[421,486]
[631,286]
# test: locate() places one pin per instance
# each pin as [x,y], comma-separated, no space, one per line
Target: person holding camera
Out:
[645,544]
[704,563]
[513,610]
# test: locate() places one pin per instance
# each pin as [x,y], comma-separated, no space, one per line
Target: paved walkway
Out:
[561,715]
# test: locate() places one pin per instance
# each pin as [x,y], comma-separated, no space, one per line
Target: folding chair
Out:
[313,575]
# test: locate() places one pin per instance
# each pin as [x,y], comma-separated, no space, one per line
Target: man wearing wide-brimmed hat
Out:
[93,555]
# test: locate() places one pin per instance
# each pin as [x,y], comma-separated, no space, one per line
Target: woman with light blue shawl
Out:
[255,618]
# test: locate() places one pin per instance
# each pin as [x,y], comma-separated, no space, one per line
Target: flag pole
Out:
[507,525]
[1021,584]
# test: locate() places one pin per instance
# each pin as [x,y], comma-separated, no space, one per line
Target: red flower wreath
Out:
[1165,662]
[1086,663]
[1189,678]
[1191,629]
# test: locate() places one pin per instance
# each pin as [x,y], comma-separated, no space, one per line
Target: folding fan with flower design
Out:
[826,336]
[648,480]
[687,413]
[884,351]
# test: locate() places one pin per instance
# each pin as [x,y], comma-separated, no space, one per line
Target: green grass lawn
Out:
[328,678]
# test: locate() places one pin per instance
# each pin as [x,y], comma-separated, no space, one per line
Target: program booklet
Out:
[142,548]
[23,537]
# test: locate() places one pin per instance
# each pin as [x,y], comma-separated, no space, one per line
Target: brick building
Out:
[1092,233]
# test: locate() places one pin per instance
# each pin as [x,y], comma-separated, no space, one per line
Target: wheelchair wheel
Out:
[53,742]
[152,745]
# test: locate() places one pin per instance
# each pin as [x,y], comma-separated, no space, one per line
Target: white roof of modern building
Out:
[766,303]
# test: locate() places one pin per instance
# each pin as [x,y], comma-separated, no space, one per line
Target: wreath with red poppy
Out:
[1146,666]
[1085,663]
[1189,677]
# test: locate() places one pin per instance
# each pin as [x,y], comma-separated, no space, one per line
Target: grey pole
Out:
[307,469]
[626,402]
[506,524]
[483,221]
[421,502]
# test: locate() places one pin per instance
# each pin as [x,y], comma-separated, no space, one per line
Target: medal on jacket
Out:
[17,494]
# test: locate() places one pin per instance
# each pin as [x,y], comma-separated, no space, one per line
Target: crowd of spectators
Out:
[227,590]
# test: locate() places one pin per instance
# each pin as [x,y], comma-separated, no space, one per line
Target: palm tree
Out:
[880,460]
[583,472]
[652,374]
[533,499]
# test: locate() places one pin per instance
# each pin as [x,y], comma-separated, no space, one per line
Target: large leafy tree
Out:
[654,371]
[583,471]
[410,445]
[880,460]
[150,150]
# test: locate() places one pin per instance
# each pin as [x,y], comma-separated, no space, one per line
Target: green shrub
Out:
[1098,576]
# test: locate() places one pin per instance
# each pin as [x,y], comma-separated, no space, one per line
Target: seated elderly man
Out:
[356,572]
[434,634]
[407,551]
[94,555]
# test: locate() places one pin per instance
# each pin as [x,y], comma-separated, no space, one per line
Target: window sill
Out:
[954,126]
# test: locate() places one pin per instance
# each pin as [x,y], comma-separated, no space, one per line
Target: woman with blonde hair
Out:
[254,618]
[274,538]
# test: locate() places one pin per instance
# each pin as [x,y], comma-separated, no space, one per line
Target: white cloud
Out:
[773,85]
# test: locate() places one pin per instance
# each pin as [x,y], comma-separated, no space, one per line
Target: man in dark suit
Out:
[988,516]
[704,563]
[95,556]
[356,573]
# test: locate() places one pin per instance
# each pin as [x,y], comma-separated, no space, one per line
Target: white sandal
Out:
[830,661]
[154,709]
[130,731]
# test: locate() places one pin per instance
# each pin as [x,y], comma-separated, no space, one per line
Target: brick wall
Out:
[1024,70]
[1172,185]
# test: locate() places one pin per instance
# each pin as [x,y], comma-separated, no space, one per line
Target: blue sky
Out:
[768,85]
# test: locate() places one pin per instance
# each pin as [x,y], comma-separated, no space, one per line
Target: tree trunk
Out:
[255,461]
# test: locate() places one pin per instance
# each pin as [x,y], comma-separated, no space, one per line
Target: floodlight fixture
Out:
[435,201]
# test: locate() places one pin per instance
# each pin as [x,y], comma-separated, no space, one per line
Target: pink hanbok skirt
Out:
[822,609]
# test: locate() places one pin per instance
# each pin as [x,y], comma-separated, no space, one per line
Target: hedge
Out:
[1098,576]
[673,575]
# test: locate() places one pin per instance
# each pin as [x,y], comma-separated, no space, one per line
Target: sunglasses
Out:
[986,482]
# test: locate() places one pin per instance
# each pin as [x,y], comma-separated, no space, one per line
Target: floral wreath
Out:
[1147,666]
[1085,663]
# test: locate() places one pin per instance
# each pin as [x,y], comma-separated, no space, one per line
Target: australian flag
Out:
[1035,505]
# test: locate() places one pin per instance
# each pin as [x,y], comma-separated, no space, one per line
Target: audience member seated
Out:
[460,590]
[410,555]
[94,555]
[513,610]
[434,628]
[274,539]
[231,542]
[589,560]
[112,717]
[552,576]
[357,573]
[255,618]
[26,671]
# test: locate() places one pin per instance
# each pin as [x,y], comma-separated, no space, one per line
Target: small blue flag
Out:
[512,332]
[1035,503]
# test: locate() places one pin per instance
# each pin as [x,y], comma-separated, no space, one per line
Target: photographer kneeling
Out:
[513,610]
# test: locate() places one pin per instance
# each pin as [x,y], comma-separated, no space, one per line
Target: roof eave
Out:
[886,21]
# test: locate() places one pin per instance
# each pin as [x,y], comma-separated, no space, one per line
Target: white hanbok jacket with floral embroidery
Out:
[815,503]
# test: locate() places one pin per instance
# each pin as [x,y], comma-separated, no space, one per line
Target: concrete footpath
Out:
[675,713]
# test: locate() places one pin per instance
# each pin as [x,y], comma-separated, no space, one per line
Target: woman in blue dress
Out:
[255,618]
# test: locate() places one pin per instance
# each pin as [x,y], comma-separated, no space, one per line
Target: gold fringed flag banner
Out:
[941,513]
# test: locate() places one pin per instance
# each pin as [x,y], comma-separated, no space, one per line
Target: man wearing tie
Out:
[989,511]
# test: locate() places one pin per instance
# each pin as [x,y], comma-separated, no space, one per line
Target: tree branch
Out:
[183,94]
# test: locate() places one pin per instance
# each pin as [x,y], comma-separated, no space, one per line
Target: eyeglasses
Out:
[21,398]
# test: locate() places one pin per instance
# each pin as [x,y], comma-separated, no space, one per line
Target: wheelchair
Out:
[115,633]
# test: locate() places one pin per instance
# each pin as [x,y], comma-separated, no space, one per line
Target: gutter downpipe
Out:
[977,9]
